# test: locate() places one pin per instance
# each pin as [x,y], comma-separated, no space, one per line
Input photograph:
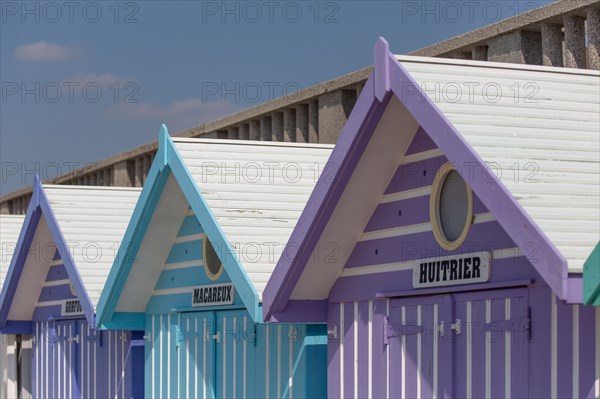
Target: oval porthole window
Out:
[212,263]
[450,208]
[72,289]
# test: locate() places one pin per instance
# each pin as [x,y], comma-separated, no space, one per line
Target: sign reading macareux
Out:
[452,270]
[71,307]
[213,294]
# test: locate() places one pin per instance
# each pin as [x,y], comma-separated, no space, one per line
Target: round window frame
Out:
[434,209]
[209,274]
[72,289]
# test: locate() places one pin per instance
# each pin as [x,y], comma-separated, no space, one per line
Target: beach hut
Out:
[591,278]
[212,220]
[463,208]
[12,346]
[68,242]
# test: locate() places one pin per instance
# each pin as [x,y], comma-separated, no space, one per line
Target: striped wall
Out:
[224,354]
[399,232]
[220,352]
[183,270]
[561,359]
[55,290]
[512,342]
[72,360]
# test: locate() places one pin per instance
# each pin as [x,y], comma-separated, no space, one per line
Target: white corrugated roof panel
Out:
[256,192]
[541,126]
[10,228]
[93,222]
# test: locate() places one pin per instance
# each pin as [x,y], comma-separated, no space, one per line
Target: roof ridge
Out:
[497,65]
[249,142]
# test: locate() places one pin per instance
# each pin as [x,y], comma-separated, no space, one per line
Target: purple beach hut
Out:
[67,244]
[463,208]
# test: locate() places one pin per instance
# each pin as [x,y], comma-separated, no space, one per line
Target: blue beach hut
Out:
[210,224]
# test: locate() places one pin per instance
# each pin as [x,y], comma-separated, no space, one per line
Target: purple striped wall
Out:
[535,363]
[72,360]
[44,312]
[530,368]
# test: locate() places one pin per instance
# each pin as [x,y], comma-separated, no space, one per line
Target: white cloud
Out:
[177,115]
[45,51]
[103,79]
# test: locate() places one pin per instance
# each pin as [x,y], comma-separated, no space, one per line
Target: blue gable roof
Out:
[168,162]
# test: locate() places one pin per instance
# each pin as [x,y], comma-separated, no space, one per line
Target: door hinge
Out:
[333,332]
[440,328]
[395,330]
[456,326]
[74,339]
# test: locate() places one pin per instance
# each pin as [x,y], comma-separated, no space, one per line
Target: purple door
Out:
[420,353]
[55,357]
[490,355]
[469,345]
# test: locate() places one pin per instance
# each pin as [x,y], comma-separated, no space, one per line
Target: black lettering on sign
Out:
[71,307]
[213,295]
[452,270]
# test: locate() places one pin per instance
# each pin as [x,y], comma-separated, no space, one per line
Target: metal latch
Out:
[217,337]
[74,339]
[391,330]
[457,327]
[147,337]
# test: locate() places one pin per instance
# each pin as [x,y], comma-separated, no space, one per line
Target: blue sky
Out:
[82,81]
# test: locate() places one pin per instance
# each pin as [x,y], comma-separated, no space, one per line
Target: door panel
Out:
[54,353]
[197,355]
[420,353]
[234,352]
[491,352]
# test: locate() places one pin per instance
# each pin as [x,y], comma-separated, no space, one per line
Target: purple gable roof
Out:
[390,78]
[38,207]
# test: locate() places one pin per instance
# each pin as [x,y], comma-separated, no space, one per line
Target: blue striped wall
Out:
[185,359]
[183,269]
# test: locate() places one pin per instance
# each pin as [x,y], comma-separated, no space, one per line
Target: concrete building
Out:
[553,35]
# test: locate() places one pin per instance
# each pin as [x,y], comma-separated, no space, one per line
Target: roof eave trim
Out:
[15,268]
[66,256]
[322,201]
[134,234]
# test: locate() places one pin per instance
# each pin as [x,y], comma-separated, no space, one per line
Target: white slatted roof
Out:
[93,222]
[543,122]
[256,192]
[10,228]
